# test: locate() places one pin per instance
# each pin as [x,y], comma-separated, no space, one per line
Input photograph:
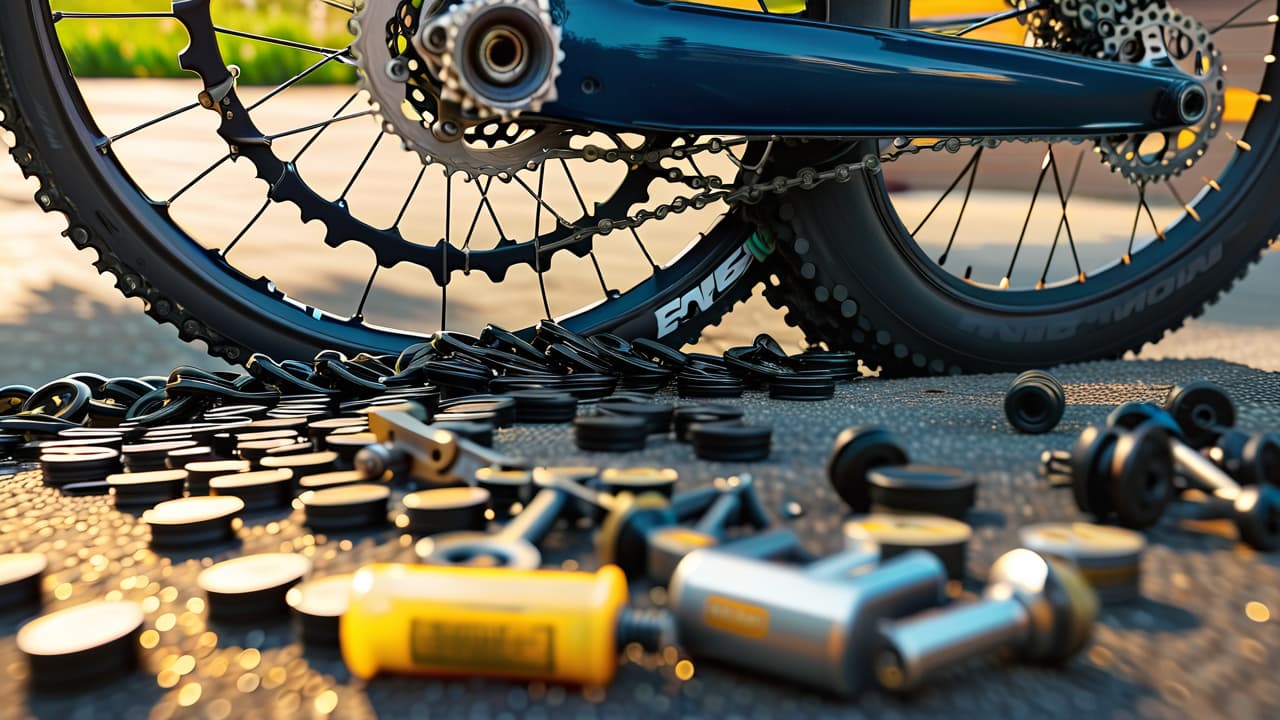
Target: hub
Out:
[495,58]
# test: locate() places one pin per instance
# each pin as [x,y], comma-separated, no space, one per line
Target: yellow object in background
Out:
[460,621]
[1010,32]
[780,7]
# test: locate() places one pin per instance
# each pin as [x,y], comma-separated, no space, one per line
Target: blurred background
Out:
[58,316]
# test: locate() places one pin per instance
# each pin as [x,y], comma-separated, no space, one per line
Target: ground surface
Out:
[1202,642]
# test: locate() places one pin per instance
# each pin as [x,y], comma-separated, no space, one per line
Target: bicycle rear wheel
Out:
[1021,255]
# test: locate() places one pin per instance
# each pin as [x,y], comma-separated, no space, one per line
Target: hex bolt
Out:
[1039,608]
[1035,402]
[784,622]
[1256,513]
[855,452]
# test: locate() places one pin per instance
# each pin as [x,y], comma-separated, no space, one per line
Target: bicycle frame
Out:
[650,65]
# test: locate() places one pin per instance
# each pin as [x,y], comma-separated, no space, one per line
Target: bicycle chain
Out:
[806,178]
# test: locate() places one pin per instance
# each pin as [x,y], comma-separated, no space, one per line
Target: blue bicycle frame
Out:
[650,65]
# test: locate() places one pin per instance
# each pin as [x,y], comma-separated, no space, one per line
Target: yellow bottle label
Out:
[489,646]
[739,618]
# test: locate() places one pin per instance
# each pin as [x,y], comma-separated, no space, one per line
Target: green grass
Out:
[150,47]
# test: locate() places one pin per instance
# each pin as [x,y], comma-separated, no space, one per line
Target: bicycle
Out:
[839,153]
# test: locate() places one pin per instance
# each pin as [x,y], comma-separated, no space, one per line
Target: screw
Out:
[1038,608]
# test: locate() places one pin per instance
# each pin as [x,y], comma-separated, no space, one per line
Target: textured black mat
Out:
[1187,650]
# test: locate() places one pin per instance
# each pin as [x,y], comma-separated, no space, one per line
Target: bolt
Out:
[1040,609]
[1255,512]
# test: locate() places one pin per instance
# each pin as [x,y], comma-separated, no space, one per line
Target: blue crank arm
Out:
[645,64]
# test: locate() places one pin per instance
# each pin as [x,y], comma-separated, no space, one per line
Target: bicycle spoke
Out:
[1238,14]
[1026,223]
[360,168]
[485,203]
[240,235]
[204,174]
[538,197]
[277,41]
[340,6]
[321,124]
[60,15]
[537,240]
[644,250]
[364,298]
[1137,217]
[968,192]
[974,23]
[147,124]
[1191,211]
[583,204]
[266,204]
[412,191]
[950,189]
[312,140]
[294,80]
[1152,217]
[1053,249]
[1065,222]
[444,251]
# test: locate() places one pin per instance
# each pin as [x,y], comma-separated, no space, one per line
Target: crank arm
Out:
[644,65]
[433,457]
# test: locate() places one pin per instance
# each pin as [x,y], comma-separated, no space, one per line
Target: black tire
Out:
[852,278]
[188,287]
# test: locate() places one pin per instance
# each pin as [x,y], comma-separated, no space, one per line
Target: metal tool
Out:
[429,455]
[1039,608]
[515,546]
[810,627]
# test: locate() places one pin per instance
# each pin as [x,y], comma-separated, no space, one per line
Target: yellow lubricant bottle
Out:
[565,627]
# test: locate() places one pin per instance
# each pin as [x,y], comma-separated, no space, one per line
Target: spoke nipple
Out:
[1040,284]
[1083,277]
[1004,283]
[1127,259]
